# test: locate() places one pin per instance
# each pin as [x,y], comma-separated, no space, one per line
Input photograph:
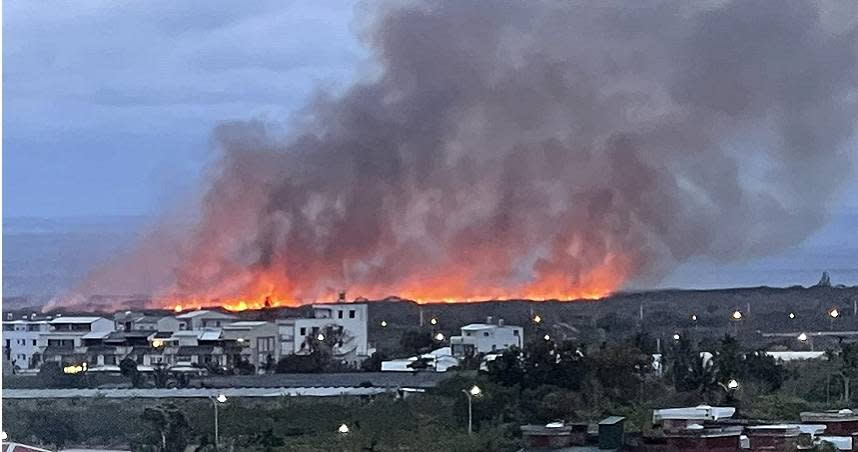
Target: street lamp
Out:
[343,429]
[732,384]
[834,313]
[475,391]
[434,321]
[537,318]
[383,323]
[792,315]
[439,337]
[547,337]
[736,315]
[676,336]
[320,337]
[693,317]
[802,337]
[221,398]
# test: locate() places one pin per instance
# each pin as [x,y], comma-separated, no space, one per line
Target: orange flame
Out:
[267,291]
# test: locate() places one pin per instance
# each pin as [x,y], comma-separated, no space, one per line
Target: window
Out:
[340,314]
[110,359]
[303,331]
[467,333]
[351,313]
[265,344]
[8,327]
[515,332]
[34,342]
[486,333]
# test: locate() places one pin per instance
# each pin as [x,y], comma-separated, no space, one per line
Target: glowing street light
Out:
[537,318]
[834,313]
[676,336]
[221,398]
[732,384]
[157,343]
[736,315]
[475,391]
[693,317]
[439,337]
[383,325]
[802,337]
[320,337]
[434,321]
[547,337]
[792,315]
[3,436]
[343,429]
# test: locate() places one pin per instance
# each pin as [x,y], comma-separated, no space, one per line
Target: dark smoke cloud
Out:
[521,145]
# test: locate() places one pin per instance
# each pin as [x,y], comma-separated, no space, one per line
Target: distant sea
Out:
[44,256]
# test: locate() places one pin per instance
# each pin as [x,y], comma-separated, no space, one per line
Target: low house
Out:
[486,337]
[681,418]
[439,360]
[841,422]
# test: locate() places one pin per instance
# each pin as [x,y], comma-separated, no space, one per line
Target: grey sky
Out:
[110,105]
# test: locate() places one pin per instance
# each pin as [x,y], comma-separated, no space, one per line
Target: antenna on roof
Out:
[341,298]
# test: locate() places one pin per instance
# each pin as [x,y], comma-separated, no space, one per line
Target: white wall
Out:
[22,342]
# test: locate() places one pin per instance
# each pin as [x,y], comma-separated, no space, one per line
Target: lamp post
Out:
[215,400]
[804,338]
[833,313]
[475,391]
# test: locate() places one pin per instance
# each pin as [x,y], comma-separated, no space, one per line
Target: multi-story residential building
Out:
[141,321]
[347,320]
[486,338]
[201,319]
[259,340]
[64,340]
[203,347]
[20,342]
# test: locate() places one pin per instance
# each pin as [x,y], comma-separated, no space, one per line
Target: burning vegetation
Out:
[545,150]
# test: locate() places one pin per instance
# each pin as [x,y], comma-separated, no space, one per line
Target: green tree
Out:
[415,342]
[128,368]
[168,428]
[54,429]
[373,363]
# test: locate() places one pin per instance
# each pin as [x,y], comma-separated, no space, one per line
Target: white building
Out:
[486,338]
[65,335]
[348,319]
[200,319]
[20,341]
[258,338]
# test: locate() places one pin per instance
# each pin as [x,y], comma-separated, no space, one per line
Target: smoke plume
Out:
[536,149]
